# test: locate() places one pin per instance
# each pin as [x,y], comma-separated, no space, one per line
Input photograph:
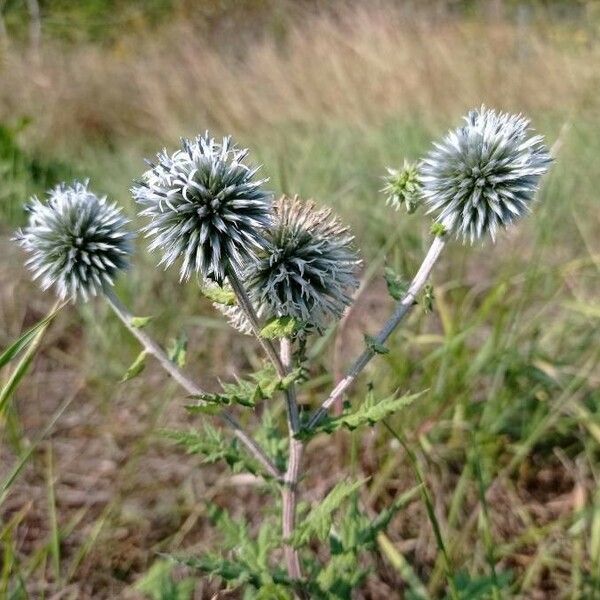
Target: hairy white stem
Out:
[289,491]
[188,385]
[246,305]
[401,310]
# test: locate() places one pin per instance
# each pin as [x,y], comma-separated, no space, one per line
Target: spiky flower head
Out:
[483,176]
[306,271]
[403,187]
[78,241]
[205,205]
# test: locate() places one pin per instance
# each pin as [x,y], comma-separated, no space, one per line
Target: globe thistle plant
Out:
[403,187]
[205,206]
[483,176]
[306,271]
[78,241]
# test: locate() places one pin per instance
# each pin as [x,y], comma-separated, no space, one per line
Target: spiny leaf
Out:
[318,522]
[262,385]
[370,412]
[242,393]
[396,286]
[136,367]
[219,295]
[216,566]
[375,346]
[368,533]
[140,322]
[281,327]
[340,577]
[159,584]
[237,572]
[212,446]
[252,550]
[292,377]
[177,351]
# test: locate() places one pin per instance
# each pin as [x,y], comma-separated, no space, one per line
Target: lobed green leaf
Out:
[318,522]
[370,412]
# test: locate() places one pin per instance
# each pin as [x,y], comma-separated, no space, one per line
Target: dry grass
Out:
[357,66]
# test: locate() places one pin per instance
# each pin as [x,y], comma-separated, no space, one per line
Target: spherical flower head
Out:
[483,176]
[205,205]
[78,241]
[403,187]
[307,270]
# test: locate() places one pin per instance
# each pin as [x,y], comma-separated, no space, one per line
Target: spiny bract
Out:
[307,270]
[484,175]
[205,205]
[78,242]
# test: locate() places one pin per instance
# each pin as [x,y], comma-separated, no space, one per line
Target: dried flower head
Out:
[236,317]
[205,205]
[403,187]
[78,242]
[484,175]
[306,271]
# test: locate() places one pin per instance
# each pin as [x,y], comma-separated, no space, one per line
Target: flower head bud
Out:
[78,242]
[205,205]
[306,271]
[402,187]
[484,175]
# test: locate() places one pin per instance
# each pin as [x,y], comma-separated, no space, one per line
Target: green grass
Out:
[506,436]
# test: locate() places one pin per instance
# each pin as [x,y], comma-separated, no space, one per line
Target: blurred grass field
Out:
[326,96]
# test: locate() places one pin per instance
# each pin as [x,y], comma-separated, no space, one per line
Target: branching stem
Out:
[246,305]
[402,308]
[189,385]
[283,364]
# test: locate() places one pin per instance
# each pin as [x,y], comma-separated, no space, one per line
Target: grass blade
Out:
[31,340]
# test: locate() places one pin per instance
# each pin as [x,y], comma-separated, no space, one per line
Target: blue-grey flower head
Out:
[205,206]
[306,271]
[78,242]
[483,176]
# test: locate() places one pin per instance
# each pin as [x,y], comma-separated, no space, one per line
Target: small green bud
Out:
[428,298]
[438,229]
[402,186]
[396,286]
[140,322]
[375,346]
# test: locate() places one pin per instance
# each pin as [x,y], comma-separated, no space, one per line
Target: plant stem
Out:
[282,363]
[402,308]
[289,490]
[246,305]
[188,385]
